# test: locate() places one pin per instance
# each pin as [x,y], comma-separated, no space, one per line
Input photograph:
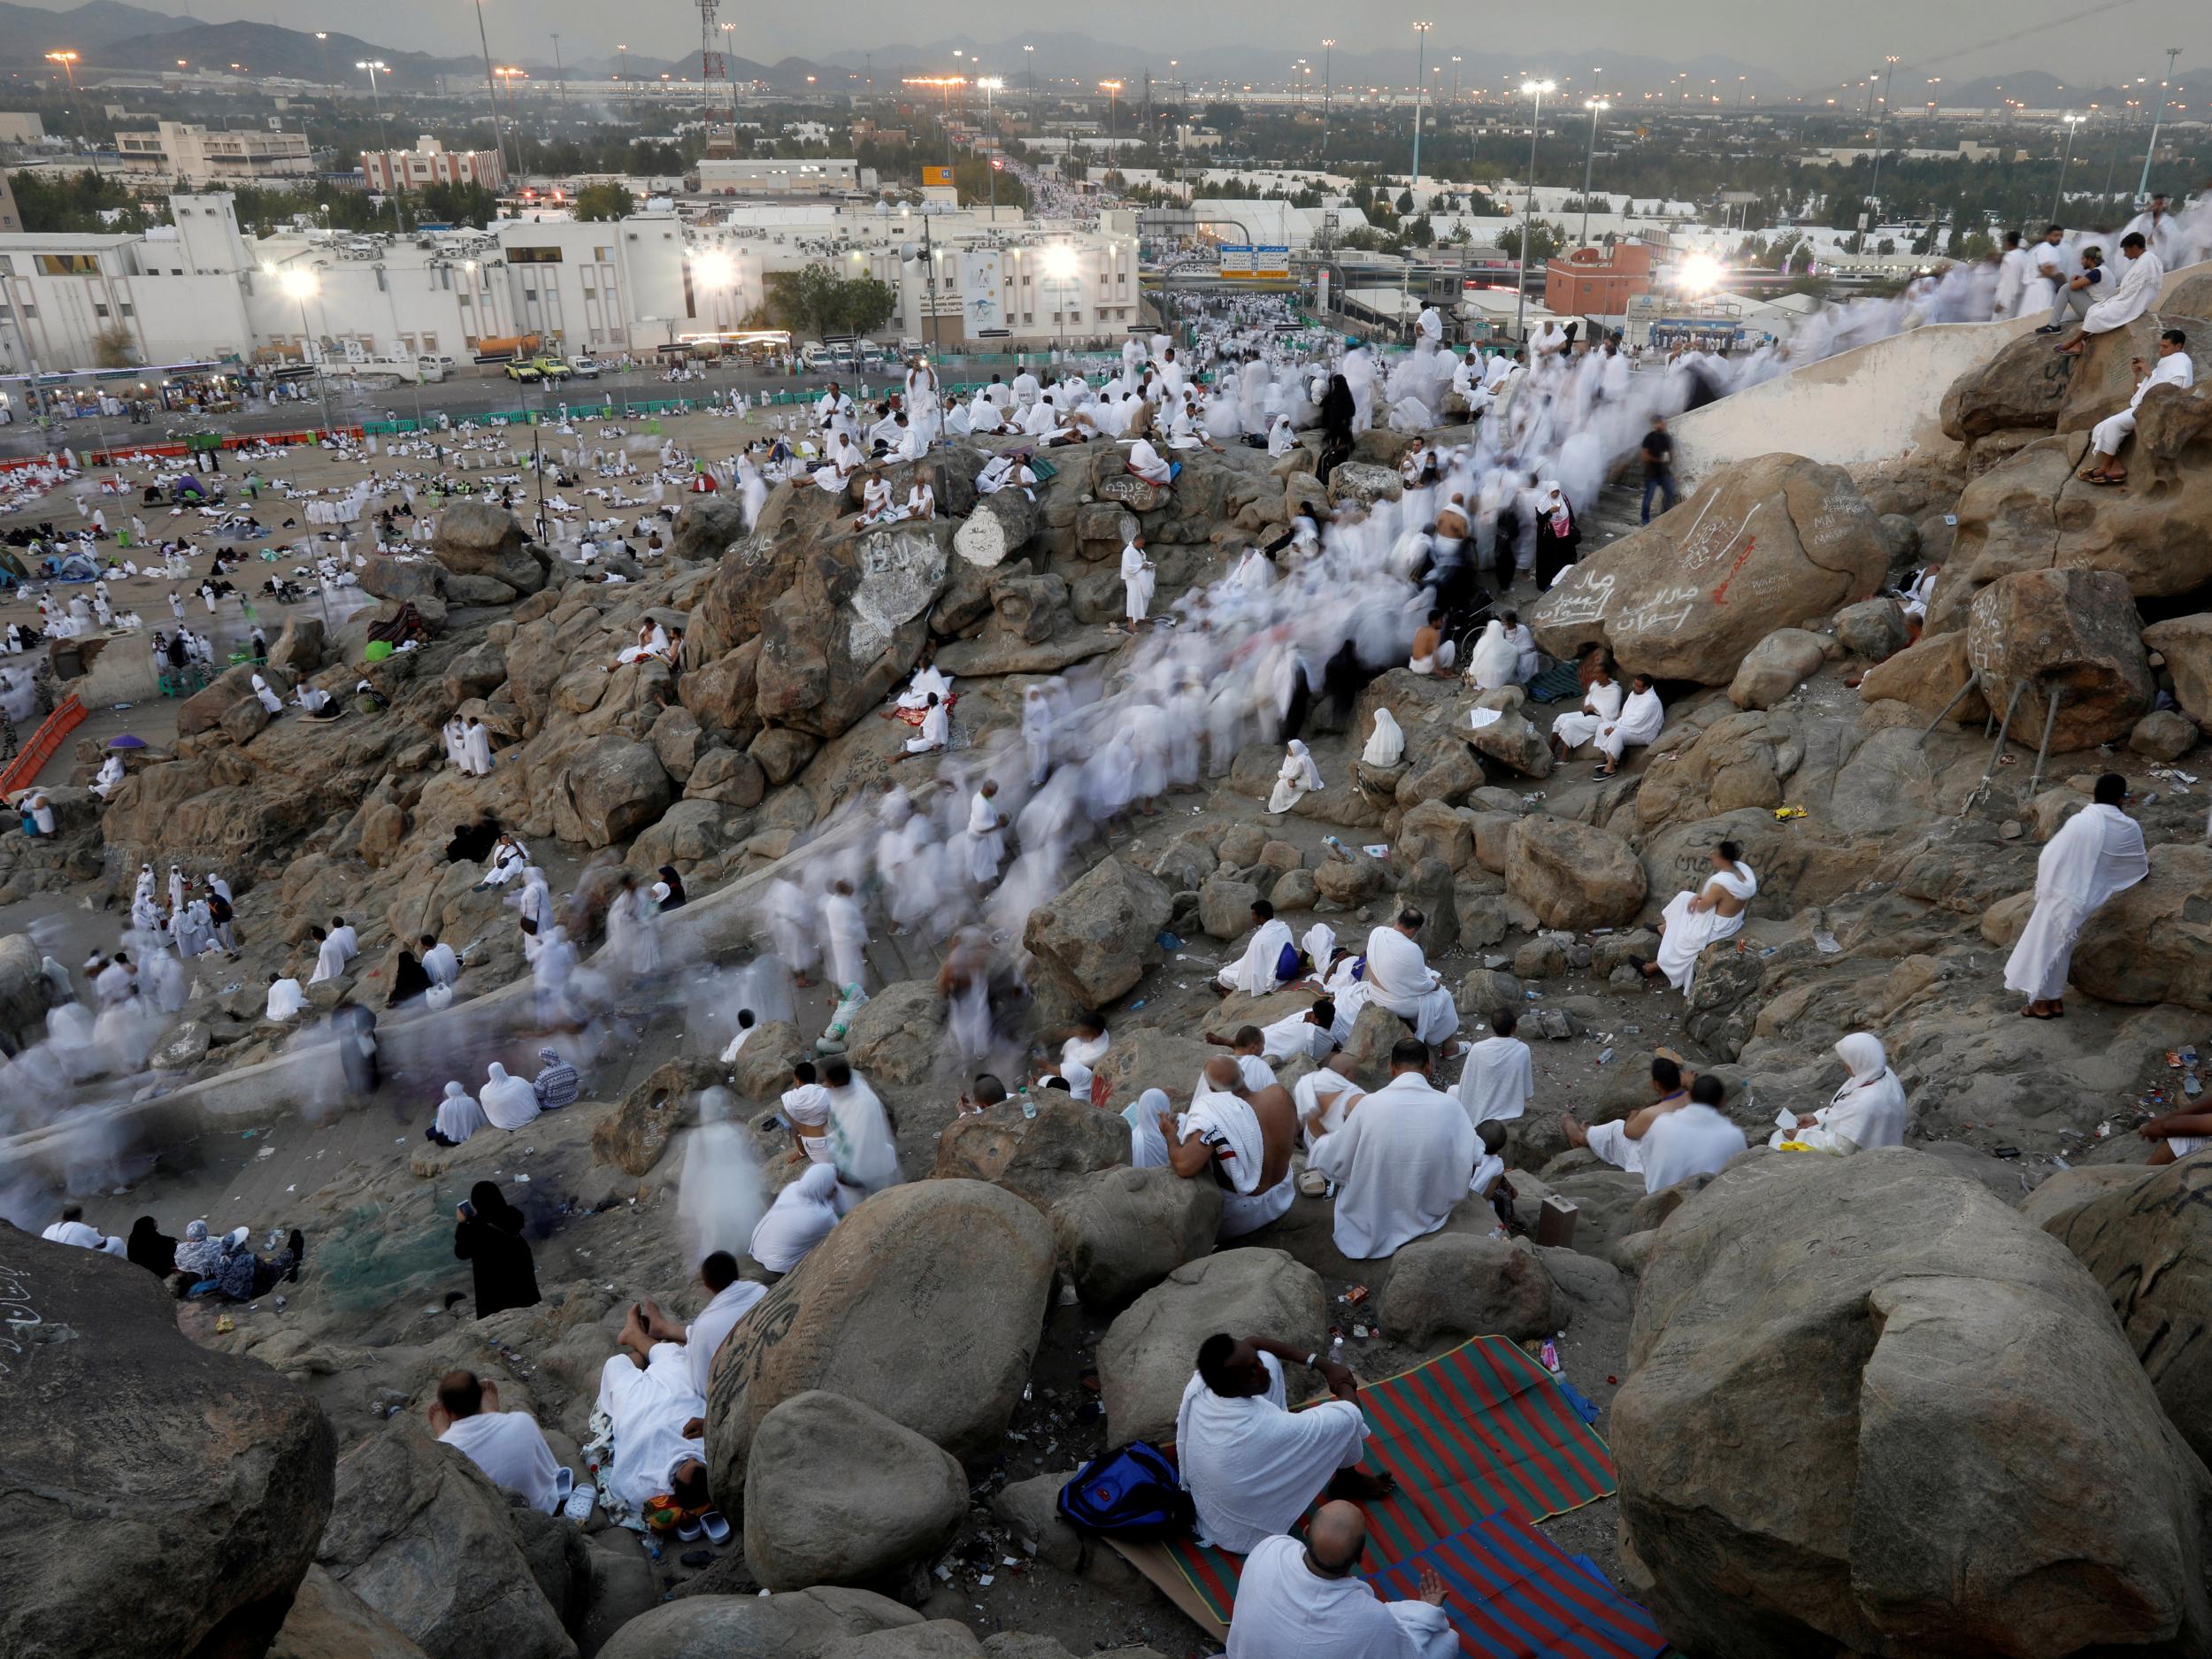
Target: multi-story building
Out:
[776,176]
[429,163]
[195,156]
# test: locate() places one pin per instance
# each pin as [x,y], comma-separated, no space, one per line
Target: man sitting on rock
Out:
[730,1300]
[1499,1079]
[2173,368]
[1251,1464]
[1249,1045]
[1308,1598]
[659,1418]
[1260,968]
[1243,1136]
[1693,1140]
[1621,1142]
[1400,1162]
[508,1446]
[1309,1033]
[1399,978]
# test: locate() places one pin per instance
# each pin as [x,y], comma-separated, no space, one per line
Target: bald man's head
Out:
[1336,1537]
[1224,1074]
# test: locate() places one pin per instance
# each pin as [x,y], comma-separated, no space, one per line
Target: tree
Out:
[1223,118]
[1545,240]
[1405,201]
[457,204]
[815,300]
[112,348]
[605,201]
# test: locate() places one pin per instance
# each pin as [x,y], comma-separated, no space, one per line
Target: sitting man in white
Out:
[1324,1098]
[1501,1078]
[1642,717]
[1621,1142]
[1257,972]
[730,1300]
[1693,920]
[1601,707]
[1400,978]
[508,1446]
[1305,1601]
[936,732]
[285,998]
[1251,1464]
[1241,1134]
[2173,368]
[1400,1162]
[1691,1141]
[659,1418]
[1869,1110]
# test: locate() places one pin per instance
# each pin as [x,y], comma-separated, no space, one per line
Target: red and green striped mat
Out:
[1478,1431]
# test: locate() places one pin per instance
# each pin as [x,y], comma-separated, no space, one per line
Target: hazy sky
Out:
[1810,42]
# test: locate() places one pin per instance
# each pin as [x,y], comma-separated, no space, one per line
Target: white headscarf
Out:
[1495,659]
[1319,944]
[801,1218]
[1387,744]
[1297,752]
[509,1103]
[459,1115]
[1869,1109]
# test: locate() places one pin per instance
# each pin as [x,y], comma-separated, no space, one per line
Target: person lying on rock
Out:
[508,1446]
[1243,1137]
[1400,1162]
[1621,1142]
[1251,1464]
[659,1420]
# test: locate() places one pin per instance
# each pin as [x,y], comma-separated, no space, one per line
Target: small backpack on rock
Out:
[1129,1492]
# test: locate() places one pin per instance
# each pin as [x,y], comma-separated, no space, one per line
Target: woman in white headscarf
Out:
[801,1218]
[459,1117]
[509,1103]
[1387,743]
[1298,778]
[1495,660]
[269,699]
[1868,1111]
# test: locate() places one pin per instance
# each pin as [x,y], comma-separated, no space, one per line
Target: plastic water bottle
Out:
[1029,1106]
[1336,1351]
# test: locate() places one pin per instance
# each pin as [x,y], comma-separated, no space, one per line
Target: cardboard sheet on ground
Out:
[1475,1432]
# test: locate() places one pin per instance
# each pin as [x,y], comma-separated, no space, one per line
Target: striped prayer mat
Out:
[1477,1431]
[1513,1594]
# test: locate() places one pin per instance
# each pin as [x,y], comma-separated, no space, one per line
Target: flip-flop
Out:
[2029,1013]
[2107,483]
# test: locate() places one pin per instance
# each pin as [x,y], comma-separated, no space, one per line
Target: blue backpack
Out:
[1130,1493]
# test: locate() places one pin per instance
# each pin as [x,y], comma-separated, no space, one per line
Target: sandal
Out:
[2106,481]
[716,1525]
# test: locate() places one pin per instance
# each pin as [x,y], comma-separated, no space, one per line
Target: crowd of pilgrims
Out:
[955,857]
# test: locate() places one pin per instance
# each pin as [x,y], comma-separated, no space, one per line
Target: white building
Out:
[194,156]
[777,176]
[430,163]
[200,289]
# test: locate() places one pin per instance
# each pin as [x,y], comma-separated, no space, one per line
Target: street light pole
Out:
[1881,126]
[399,174]
[491,89]
[560,75]
[1420,85]
[1535,89]
[2143,185]
[2059,195]
[1597,107]
[1328,90]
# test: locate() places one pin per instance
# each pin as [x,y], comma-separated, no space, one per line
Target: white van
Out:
[431,367]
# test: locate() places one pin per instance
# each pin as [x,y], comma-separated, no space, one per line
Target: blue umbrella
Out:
[127,741]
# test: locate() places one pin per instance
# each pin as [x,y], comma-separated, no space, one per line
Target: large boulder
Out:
[1572,875]
[2024,386]
[328,1621]
[797,1626]
[927,1303]
[2186,643]
[24,991]
[1774,667]
[2072,631]
[836,1492]
[999,526]
[1760,546]
[164,1497]
[2153,944]
[1926,676]
[613,788]
[1122,1230]
[894,1036]
[2149,1244]
[477,538]
[1043,1158]
[850,628]
[1870,1409]
[1452,1284]
[420,1535]
[1149,1352]
[1095,940]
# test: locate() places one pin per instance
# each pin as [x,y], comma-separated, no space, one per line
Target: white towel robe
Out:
[1642,717]
[1688,934]
[2096,854]
[1400,978]
[1400,1162]
[1499,1082]
[1252,1465]
[1286,1611]
[1601,706]
[1254,972]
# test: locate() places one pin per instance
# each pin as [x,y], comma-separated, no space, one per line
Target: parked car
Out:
[585,368]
